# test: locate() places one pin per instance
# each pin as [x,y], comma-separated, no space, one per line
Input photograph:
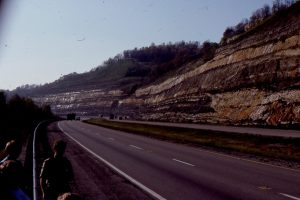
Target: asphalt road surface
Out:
[231,129]
[172,171]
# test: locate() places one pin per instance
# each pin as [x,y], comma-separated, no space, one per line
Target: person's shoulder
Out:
[59,160]
[13,162]
[48,160]
[45,168]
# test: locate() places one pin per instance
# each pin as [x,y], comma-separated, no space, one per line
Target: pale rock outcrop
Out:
[252,80]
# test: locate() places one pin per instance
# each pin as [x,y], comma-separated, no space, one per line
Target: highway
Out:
[230,129]
[172,171]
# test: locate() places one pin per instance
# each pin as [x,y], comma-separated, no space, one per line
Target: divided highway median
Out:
[266,146]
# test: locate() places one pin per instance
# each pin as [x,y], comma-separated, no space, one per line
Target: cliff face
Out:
[252,80]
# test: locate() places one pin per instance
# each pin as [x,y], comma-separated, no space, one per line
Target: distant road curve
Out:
[232,129]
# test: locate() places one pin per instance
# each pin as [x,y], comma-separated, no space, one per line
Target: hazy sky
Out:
[40,40]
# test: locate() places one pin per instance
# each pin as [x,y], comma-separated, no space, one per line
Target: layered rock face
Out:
[253,80]
[89,102]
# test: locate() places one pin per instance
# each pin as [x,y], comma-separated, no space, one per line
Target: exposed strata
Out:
[253,80]
[89,102]
[241,87]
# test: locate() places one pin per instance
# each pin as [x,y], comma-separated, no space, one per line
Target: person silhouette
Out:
[56,173]
[12,173]
[69,196]
[12,151]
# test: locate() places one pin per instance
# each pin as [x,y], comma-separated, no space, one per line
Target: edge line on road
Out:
[126,176]
[136,147]
[248,160]
[240,158]
[290,196]
[180,161]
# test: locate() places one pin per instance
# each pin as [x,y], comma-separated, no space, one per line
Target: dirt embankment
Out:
[93,179]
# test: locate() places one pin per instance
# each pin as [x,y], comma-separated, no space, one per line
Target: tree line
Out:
[19,116]
[154,61]
[157,60]
[257,17]
[148,63]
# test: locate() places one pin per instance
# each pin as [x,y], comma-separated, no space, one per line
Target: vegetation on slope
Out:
[129,70]
[260,17]
[138,67]
[18,117]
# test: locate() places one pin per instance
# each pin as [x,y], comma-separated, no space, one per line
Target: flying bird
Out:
[80,40]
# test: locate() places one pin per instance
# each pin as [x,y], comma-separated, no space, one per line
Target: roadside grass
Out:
[266,146]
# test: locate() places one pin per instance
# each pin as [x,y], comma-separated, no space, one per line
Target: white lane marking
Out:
[112,139]
[290,196]
[264,187]
[183,162]
[248,160]
[126,176]
[136,147]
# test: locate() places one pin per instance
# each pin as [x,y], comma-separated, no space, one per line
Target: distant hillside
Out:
[251,78]
[129,70]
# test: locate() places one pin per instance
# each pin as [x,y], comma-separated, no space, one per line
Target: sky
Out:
[42,40]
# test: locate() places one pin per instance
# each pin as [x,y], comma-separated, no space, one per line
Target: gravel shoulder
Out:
[93,179]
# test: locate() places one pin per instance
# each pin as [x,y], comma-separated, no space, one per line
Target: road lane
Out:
[230,129]
[179,172]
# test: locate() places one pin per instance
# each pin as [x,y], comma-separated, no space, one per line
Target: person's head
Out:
[13,149]
[69,196]
[59,147]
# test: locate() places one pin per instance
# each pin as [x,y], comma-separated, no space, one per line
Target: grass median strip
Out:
[268,146]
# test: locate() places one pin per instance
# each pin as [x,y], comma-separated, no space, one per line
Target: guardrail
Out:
[34,161]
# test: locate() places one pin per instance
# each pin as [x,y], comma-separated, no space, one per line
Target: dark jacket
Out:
[57,172]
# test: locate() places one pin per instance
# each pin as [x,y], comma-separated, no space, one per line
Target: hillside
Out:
[129,70]
[251,79]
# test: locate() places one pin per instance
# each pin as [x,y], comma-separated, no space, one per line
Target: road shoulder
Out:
[93,179]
